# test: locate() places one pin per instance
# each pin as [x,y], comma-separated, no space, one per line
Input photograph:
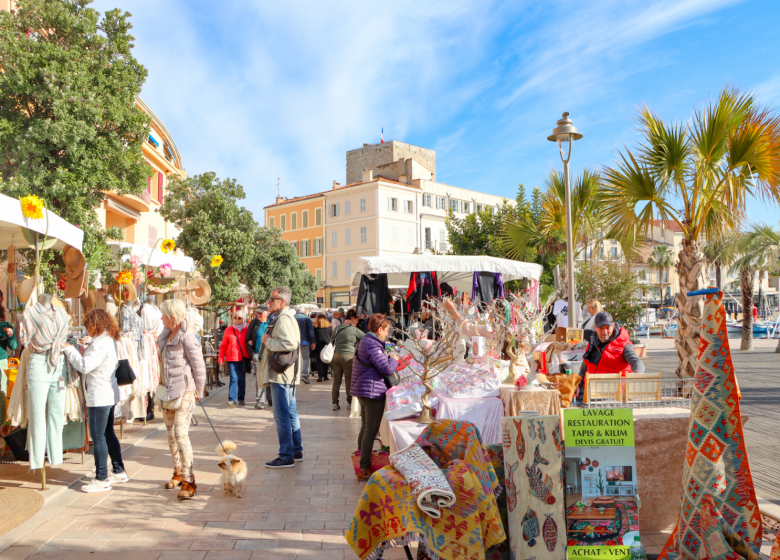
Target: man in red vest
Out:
[610,349]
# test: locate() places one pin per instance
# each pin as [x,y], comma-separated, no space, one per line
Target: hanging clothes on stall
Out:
[487,286]
[152,318]
[134,397]
[373,295]
[422,286]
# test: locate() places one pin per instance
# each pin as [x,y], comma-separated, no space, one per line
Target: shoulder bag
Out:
[326,354]
[282,361]
[124,372]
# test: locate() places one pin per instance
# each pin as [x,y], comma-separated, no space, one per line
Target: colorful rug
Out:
[603,532]
[716,477]
[427,482]
[533,462]
[499,551]
[775,554]
[388,515]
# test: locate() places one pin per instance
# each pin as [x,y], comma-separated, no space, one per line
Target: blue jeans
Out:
[101,428]
[288,427]
[237,389]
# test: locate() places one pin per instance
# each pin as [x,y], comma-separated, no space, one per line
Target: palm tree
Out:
[548,232]
[700,174]
[760,250]
[720,252]
[661,259]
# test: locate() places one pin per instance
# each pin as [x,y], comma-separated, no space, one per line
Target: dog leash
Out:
[212,426]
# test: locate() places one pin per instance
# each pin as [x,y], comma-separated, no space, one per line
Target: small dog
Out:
[234,470]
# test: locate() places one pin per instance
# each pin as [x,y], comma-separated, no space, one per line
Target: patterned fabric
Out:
[177,423]
[388,516]
[130,322]
[605,532]
[775,554]
[499,551]
[717,482]
[44,330]
[533,458]
[426,480]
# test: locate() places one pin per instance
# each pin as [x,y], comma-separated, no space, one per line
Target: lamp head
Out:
[564,131]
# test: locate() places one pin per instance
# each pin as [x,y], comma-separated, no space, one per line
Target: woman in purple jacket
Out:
[370,369]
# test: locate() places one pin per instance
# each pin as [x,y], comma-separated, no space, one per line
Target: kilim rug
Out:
[388,515]
[533,463]
[775,554]
[716,475]
[499,551]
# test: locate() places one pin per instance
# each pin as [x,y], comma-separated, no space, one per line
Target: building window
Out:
[409,207]
[392,204]
[410,236]
[454,205]
[347,207]
[362,204]
[427,200]
[295,245]
[440,202]
[642,275]
[305,219]
[480,208]
[318,246]
[394,234]
[334,269]
[318,277]
[347,236]
[348,269]
[271,222]
[334,238]
[294,220]
[318,216]
[283,222]
[363,234]
[305,248]
[466,207]
[428,241]
[334,209]
[442,236]
[152,236]
[614,252]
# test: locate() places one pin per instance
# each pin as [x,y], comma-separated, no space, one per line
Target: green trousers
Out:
[47,410]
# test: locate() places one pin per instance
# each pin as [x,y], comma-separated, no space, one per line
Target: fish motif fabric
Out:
[530,527]
[536,501]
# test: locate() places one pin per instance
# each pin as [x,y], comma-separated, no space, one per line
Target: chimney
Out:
[368,175]
[279,199]
[336,185]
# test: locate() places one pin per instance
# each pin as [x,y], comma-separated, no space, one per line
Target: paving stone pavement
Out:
[295,513]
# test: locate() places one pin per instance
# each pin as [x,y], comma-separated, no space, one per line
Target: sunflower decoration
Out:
[32,207]
[168,245]
[216,260]
[125,277]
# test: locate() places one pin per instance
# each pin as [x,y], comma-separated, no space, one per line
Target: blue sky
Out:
[259,90]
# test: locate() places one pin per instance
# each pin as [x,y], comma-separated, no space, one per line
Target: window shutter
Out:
[330,210]
[160,183]
[152,236]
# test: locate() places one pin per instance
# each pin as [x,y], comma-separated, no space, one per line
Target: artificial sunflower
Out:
[216,260]
[168,245]
[32,207]
[124,277]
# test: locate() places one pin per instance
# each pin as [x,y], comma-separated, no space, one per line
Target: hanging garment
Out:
[152,319]
[373,295]
[154,363]
[44,329]
[18,406]
[717,483]
[130,322]
[422,286]
[46,411]
[487,286]
[194,320]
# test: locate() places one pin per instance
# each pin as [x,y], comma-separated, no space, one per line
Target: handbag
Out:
[124,372]
[379,459]
[326,354]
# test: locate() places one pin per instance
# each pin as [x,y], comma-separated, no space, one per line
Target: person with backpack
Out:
[345,339]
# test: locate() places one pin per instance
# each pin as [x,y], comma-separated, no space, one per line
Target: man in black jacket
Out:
[254,336]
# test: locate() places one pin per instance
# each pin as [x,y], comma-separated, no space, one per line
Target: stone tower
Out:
[371,156]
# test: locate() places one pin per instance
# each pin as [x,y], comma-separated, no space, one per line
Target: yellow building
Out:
[302,224]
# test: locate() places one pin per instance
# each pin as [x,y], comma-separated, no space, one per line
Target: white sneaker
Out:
[115,478]
[96,485]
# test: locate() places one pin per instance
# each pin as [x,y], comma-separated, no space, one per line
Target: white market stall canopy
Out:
[455,270]
[178,264]
[13,222]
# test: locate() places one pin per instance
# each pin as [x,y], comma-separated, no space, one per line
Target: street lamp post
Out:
[564,135]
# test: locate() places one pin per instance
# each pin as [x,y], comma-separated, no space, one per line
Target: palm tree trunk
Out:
[746,278]
[718,279]
[691,266]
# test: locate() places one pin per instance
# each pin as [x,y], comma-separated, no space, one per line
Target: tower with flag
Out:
[382,138]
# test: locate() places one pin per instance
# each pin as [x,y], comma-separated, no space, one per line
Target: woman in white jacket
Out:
[98,366]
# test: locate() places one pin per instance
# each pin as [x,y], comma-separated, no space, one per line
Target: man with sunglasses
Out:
[282,341]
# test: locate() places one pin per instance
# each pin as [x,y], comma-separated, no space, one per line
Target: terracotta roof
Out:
[296,199]
[671,225]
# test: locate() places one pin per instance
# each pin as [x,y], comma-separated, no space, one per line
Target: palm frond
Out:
[666,150]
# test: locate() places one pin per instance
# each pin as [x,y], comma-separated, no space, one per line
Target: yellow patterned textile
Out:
[388,515]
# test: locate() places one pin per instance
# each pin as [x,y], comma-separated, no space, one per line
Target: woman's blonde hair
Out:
[596,304]
[174,308]
[322,322]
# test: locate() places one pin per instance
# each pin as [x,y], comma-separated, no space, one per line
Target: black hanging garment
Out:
[373,295]
[422,286]
[486,287]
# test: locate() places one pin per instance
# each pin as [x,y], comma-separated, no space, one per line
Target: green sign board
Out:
[598,427]
[601,552]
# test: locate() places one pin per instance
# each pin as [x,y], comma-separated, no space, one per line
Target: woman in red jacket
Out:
[233,351]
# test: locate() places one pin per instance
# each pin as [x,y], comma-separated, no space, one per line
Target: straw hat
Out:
[76,276]
[200,291]
[24,290]
[118,290]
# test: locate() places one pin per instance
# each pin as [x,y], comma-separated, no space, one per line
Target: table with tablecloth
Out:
[545,402]
[484,413]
